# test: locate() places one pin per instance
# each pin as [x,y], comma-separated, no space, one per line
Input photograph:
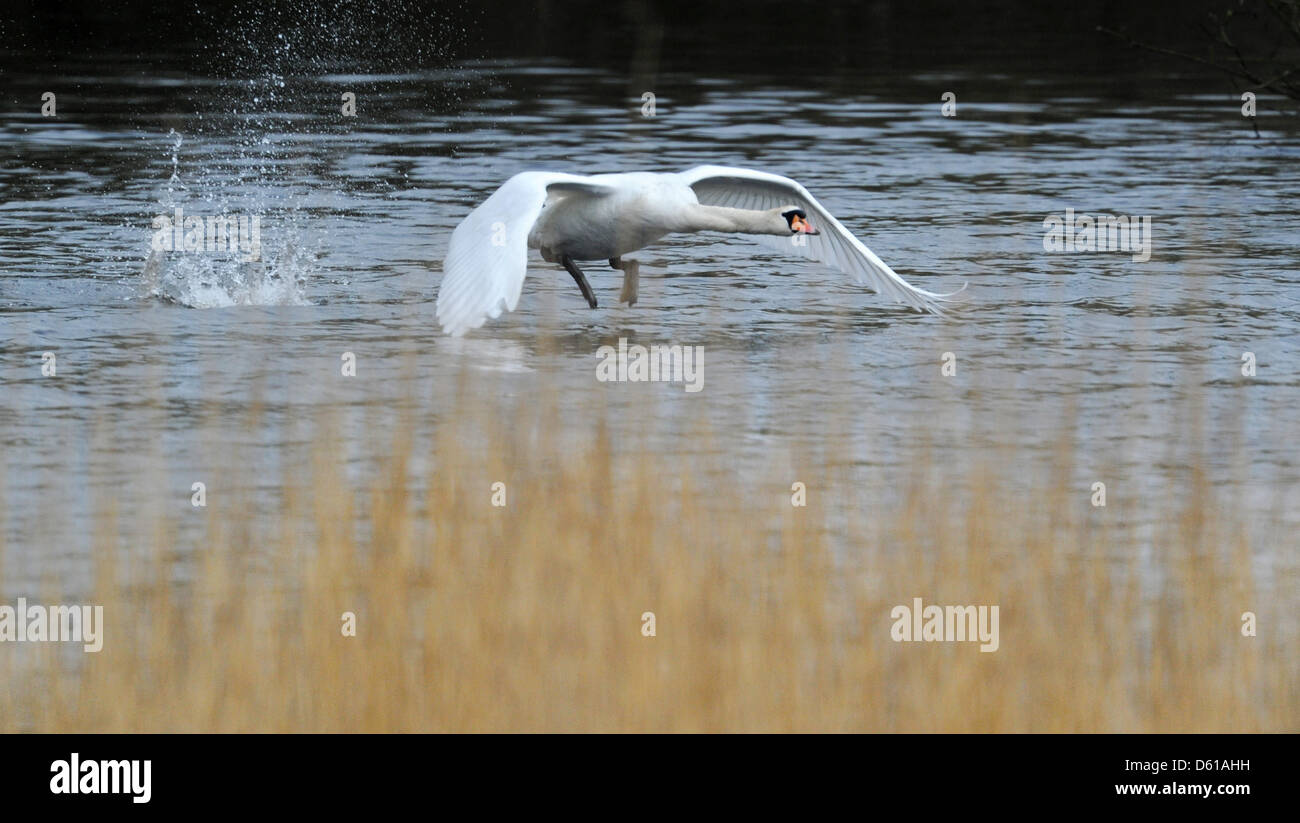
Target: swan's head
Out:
[796,220]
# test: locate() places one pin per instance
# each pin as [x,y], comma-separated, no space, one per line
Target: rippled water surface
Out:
[167,366]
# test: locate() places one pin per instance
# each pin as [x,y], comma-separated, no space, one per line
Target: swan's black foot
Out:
[631,278]
[581,279]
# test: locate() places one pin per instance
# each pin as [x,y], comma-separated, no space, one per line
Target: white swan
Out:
[570,217]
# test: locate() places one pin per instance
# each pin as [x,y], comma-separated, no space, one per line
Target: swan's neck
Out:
[720,218]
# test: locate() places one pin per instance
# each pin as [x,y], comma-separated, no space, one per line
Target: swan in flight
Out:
[570,217]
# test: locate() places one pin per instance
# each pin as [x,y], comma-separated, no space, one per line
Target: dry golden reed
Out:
[768,617]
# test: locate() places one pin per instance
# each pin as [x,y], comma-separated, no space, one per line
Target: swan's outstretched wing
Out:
[487,259]
[835,245]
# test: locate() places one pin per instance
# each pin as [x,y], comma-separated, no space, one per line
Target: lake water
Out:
[159,366]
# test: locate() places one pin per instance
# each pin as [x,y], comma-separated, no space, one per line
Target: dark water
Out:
[159,365]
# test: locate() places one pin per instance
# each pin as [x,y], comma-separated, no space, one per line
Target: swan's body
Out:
[630,212]
[570,217]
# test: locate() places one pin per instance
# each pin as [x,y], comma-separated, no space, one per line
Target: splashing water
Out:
[259,137]
[205,282]
[239,272]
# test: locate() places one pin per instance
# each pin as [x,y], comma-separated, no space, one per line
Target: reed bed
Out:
[768,617]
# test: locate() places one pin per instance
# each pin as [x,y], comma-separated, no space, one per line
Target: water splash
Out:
[174,182]
[259,138]
[205,278]
[205,282]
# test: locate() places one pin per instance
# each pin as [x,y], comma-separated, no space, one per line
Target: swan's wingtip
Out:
[949,295]
[942,304]
[954,296]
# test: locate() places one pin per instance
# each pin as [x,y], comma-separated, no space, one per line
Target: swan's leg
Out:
[631,278]
[567,262]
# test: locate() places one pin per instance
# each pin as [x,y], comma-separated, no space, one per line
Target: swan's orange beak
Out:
[802,226]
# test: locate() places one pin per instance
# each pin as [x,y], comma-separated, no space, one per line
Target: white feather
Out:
[487,258]
[835,246]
